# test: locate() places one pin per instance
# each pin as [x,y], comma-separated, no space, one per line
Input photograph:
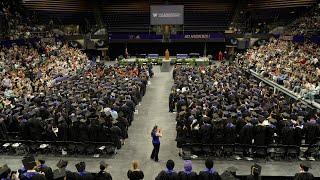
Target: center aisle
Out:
[153,110]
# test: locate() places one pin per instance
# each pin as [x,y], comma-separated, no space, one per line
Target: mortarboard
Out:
[62,163]
[81,166]
[305,164]
[28,161]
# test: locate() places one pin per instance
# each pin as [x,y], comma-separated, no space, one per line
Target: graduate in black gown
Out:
[187,173]
[209,173]
[103,174]
[169,173]
[82,173]
[42,167]
[304,174]
[30,173]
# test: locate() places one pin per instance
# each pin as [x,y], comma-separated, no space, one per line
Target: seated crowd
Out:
[16,25]
[295,66]
[307,24]
[38,169]
[57,94]
[224,105]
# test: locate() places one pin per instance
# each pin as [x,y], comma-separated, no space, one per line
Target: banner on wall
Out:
[166,14]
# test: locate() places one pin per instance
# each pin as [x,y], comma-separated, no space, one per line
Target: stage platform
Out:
[173,60]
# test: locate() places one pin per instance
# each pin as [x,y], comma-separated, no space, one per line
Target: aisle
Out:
[153,110]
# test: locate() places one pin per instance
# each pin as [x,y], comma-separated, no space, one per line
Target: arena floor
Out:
[154,110]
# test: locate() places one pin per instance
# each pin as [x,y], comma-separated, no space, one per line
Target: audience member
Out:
[135,172]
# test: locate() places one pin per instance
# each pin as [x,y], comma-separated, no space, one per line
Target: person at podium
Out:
[167,55]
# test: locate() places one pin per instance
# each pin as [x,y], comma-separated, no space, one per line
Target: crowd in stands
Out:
[225,105]
[307,24]
[15,25]
[295,66]
[33,169]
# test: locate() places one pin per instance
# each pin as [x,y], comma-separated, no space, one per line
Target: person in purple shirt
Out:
[156,133]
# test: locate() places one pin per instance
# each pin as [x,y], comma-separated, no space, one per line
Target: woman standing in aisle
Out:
[156,133]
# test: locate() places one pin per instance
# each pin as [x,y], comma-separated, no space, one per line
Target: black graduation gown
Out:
[135,175]
[259,135]
[163,175]
[32,176]
[63,132]
[288,136]
[230,135]
[171,101]
[246,135]
[205,132]
[312,132]
[228,176]
[84,176]
[303,176]
[102,175]
[74,132]
[83,132]
[204,175]
[184,176]
[3,131]
[47,171]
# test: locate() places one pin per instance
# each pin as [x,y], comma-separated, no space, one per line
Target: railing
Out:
[285,90]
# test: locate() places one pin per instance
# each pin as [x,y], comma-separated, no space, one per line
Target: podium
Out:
[166,62]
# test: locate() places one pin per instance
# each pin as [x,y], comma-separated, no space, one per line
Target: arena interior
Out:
[159,89]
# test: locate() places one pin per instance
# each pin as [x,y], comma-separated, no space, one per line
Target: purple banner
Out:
[213,36]
[199,36]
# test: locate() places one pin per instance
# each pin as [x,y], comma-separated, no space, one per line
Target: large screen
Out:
[166,14]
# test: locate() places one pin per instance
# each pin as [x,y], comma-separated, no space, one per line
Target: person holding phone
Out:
[156,133]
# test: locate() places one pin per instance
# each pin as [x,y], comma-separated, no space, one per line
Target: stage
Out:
[173,60]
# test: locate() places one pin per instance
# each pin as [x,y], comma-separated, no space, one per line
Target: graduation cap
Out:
[29,162]
[4,169]
[306,164]
[62,163]
[59,174]
[81,166]
[256,169]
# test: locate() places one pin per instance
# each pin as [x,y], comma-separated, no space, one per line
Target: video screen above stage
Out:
[166,14]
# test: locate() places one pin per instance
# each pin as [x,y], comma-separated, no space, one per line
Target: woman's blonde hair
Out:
[135,164]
